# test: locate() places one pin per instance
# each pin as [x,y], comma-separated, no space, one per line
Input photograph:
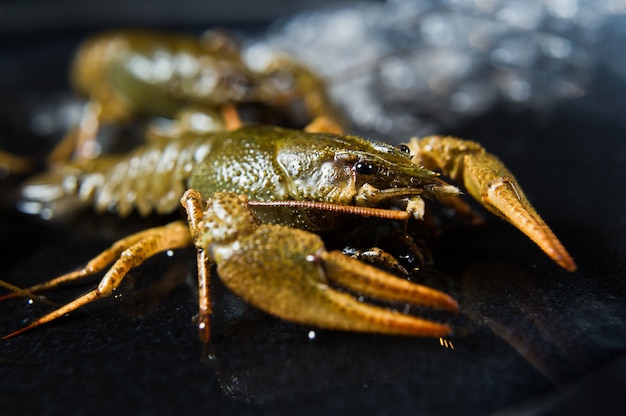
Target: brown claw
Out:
[293,281]
[288,273]
[487,179]
[370,281]
[503,196]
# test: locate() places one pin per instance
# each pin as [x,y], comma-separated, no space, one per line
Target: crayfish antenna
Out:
[18,291]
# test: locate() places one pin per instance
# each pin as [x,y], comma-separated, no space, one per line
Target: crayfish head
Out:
[386,176]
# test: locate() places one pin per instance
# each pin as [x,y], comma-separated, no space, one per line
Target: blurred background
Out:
[397,67]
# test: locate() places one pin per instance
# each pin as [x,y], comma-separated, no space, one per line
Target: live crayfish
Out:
[131,73]
[270,188]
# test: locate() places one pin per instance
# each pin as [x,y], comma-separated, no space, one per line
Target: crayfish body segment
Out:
[265,163]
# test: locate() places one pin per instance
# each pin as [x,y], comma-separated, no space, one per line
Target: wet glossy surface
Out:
[530,335]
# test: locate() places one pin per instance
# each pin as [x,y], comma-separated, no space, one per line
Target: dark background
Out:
[530,338]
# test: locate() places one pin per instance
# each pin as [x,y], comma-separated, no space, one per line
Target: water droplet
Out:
[521,13]
[617,7]
[436,30]
[516,89]
[396,73]
[556,46]
[46,213]
[562,9]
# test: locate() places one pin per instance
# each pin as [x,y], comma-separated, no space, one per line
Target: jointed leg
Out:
[80,142]
[323,124]
[97,264]
[192,201]
[130,252]
[13,164]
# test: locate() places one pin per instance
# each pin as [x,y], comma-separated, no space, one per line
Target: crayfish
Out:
[269,191]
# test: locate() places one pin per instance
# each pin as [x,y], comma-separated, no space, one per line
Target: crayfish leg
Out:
[136,249]
[13,164]
[205,309]
[97,264]
[231,118]
[18,291]
[194,120]
[323,124]
[80,141]
[192,202]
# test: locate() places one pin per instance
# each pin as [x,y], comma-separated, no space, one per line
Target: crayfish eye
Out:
[365,168]
[404,148]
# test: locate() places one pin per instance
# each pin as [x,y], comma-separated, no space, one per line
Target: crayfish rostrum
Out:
[256,196]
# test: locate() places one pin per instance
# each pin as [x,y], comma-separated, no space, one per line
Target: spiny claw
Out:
[487,179]
[288,273]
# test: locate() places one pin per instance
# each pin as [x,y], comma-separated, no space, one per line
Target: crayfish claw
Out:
[494,186]
[287,272]
[372,282]
[489,181]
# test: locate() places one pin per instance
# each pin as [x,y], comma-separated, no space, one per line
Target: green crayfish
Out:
[269,190]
